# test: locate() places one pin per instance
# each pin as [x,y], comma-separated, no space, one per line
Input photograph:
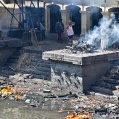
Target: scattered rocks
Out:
[46,91]
[27,101]
[27,76]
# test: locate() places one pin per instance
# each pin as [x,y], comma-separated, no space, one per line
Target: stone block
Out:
[88,67]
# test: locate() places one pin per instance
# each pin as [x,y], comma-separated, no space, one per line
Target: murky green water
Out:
[19,110]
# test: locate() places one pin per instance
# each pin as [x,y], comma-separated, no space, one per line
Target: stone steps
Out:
[112,81]
[102,90]
[11,60]
[32,50]
[42,77]
[107,85]
[17,53]
[40,64]
[38,72]
[104,97]
[15,57]
[5,68]
[8,72]
[37,67]
[107,89]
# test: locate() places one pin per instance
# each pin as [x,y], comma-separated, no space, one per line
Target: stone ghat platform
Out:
[77,72]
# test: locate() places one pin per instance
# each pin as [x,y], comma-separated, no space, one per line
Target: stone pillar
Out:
[83,22]
[88,20]
[47,19]
[106,15]
[65,16]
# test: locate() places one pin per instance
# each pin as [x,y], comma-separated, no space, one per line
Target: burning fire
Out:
[74,116]
[15,93]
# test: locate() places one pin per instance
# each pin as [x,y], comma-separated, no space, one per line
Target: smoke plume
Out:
[108,30]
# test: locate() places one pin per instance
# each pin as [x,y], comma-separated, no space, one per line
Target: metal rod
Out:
[32,4]
[19,6]
[38,3]
[11,13]
[12,16]
[22,10]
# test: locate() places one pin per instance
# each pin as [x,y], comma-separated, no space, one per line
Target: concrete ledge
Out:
[81,59]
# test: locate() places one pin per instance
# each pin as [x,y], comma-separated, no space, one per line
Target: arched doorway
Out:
[75,16]
[35,15]
[95,15]
[115,11]
[55,15]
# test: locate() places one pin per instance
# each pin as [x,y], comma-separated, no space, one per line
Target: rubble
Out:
[46,91]
[41,95]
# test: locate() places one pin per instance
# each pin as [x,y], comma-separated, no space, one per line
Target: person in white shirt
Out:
[70,32]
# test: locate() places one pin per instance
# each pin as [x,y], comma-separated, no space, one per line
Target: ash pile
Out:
[81,47]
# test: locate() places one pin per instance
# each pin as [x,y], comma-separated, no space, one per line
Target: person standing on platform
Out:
[59,30]
[70,32]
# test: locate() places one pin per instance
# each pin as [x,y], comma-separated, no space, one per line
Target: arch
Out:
[55,15]
[95,15]
[115,10]
[73,7]
[75,16]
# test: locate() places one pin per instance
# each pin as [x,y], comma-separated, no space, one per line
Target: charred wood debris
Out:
[82,46]
[38,94]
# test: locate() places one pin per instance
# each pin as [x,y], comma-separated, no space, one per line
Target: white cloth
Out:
[70,31]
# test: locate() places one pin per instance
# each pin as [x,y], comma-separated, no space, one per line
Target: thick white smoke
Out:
[108,30]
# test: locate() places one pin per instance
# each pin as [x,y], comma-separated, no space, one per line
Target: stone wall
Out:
[5,18]
[68,76]
[77,78]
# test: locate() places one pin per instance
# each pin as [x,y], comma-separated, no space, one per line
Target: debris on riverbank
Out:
[36,93]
